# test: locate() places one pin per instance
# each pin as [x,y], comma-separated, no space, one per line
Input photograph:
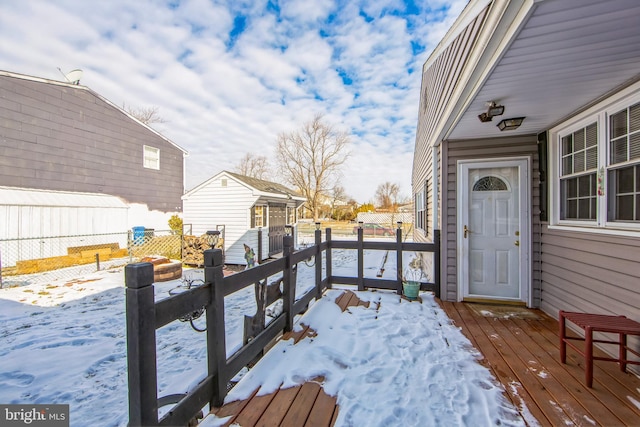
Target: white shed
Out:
[246,207]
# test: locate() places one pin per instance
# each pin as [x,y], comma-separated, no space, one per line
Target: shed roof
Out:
[265,187]
[13,196]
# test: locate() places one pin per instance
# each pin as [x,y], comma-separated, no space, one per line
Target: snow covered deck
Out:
[520,348]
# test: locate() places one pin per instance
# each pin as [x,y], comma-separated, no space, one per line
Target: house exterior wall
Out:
[60,137]
[453,151]
[439,82]
[592,265]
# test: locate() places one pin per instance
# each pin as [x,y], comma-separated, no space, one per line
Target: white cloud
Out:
[221,102]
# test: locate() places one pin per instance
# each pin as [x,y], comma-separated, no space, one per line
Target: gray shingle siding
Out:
[56,137]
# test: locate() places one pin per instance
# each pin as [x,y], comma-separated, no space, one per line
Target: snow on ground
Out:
[395,363]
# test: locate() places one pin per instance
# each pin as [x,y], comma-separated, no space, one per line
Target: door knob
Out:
[466,230]
[517,242]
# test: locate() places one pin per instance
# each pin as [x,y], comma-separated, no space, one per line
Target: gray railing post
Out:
[436,261]
[360,280]
[399,258]
[288,282]
[141,344]
[318,262]
[259,245]
[216,343]
[327,257]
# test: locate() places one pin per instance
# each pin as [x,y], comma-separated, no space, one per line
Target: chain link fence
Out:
[29,260]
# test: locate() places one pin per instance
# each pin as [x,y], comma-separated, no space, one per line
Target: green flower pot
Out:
[411,289]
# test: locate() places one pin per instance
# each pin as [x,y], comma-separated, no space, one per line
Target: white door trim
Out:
[524,167]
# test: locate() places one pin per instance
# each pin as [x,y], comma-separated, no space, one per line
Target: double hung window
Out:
[598,165]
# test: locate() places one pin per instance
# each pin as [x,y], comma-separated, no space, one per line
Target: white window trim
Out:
[144,157]
[598,113]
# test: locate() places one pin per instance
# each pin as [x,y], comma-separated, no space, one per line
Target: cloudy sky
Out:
[228,76]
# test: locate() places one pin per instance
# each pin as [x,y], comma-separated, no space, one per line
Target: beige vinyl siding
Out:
[592,273]
[484,149]
[439,80]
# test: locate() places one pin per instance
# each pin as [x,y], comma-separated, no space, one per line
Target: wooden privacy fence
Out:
[145,316]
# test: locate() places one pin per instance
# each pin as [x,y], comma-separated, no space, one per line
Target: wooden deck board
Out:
[276,411]
[559,391]
[322,413]
[301,407]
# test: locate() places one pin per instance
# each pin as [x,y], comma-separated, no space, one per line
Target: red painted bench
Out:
[591,323]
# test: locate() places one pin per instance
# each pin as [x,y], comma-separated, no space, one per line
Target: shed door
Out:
[493,229]
[277,221]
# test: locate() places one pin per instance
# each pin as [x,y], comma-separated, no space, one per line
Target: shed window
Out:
[291,215]
[257,216]
[151,157]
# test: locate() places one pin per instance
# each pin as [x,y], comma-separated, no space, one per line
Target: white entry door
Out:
[493,222]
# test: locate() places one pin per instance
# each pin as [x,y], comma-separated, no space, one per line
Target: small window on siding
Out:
[420,203]
[257,216]
[151,157]
[224,182]
[291,215]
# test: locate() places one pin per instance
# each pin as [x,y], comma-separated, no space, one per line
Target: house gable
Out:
[63,137]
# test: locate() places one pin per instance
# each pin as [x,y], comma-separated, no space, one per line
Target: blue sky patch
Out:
[239,25]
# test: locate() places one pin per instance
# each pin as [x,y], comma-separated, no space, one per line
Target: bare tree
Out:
[310,159]
[387,195]
[147,115]
[339,202]
[253,166]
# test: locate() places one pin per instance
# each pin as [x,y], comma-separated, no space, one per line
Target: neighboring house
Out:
[66,142]
[244,207]
[546,214]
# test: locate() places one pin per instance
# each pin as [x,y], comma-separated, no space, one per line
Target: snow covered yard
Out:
[394,363]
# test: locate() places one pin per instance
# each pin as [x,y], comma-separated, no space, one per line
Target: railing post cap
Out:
[213,257]
[138,275]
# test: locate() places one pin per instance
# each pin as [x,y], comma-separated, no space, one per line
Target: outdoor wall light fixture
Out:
[492,110]
[510,124]
[288,230]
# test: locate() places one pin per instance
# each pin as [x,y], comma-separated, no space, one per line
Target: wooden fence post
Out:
[216,343]
[288,282]
[360,280]
[399,261]
[141,344]
[318,262]
[327,257]
[259,245]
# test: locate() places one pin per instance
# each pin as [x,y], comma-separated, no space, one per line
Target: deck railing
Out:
[145,316]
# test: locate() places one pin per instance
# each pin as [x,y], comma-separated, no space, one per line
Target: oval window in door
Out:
[490,183]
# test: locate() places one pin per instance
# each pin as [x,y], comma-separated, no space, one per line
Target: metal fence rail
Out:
[25,260]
